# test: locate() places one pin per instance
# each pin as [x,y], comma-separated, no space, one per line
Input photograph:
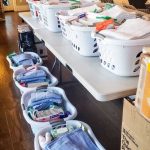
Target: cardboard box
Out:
[142,101]
[135,129]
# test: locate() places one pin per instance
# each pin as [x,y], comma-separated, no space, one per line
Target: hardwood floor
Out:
[15,133]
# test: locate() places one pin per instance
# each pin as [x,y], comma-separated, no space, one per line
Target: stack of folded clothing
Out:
[80,16]
[89,16]
[131,29]
[23,59]
[46,106]
[67,137]
[33,78]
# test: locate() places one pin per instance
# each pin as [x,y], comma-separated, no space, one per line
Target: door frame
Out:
[9,7]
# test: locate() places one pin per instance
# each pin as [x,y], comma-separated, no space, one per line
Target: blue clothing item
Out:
[28,62]
[43,106]
[31,75]
[39,96]
[48,101]
[17,59]
[20,57]
[75,140]
[35,80]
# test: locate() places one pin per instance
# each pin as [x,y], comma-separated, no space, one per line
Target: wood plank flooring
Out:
[15,133]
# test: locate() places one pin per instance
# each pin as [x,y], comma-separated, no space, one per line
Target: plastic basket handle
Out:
[57,14]
[23,107]
[57,122]
[98,35]
[44,87]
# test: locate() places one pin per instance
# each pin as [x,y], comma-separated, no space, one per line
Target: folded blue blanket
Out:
[21,57]
[75,140]
[31,75]
[42,106]
[38,96]
[33,80]
[47,100]
[28,62]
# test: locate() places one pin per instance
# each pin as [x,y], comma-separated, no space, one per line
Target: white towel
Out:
[130,29]
[84,9]
[116,12]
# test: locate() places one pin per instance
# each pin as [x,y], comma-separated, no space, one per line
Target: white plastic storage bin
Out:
[65,27]
[82,41]
[64,16]
[121,57]
[39,11]
[33,8]
[18,67]
[25,89]
[51,21]
[69,122]
[37,126]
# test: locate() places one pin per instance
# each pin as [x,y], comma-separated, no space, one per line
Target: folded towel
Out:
[42,97]
[84,9]
[21,57]
[115,12]
[33,80]
[38,96]
[75,140]
[130,29]
[31,75]
[28,62]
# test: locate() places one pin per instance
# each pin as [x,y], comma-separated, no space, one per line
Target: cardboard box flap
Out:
[135,129]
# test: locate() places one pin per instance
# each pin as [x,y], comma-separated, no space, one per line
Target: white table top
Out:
[32,22]
[102,84]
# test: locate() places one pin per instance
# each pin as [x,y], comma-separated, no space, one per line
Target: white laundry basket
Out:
[37,126]
[65,27]
[22,89]
[31,53]
[74,123]
[121,57]
[82,41]
[32,8]
[39,11]
[51,21]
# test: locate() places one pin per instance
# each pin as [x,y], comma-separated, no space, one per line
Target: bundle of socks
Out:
[46,106]
[33,78]
[22,59]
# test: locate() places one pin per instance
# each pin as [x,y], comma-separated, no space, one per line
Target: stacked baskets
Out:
[29,95]
[80,36]
[72,123]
